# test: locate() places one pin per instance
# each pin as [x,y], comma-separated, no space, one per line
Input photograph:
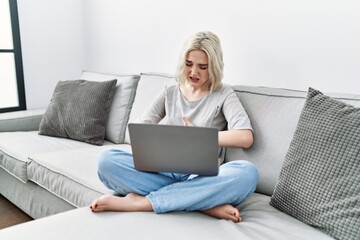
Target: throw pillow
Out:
[121,104]
[79,110]
[320,179]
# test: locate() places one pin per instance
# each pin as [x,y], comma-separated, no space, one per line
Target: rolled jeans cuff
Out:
[154,203]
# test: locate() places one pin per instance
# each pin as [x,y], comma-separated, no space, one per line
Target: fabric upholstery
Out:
[319,181]
[274,114]
[260,221]
[68,171]
[16,147]
[27,120]
[79,110]
[30,197]
[121,104]
[149,86]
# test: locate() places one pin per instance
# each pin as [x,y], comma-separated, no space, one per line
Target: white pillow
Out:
[121,104]
[149,86]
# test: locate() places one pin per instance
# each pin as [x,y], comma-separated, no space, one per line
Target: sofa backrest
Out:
[148,87]
[274,114]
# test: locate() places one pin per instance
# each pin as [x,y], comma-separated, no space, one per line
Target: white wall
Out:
[277,43]
[52,39]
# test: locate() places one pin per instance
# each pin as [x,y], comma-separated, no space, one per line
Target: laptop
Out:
[178,149]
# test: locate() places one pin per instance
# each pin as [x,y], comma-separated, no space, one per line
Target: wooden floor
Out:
[11,215]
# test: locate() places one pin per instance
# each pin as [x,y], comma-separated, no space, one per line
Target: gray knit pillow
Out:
[79,110]
[320,179]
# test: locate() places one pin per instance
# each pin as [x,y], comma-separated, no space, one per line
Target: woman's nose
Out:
[193,71]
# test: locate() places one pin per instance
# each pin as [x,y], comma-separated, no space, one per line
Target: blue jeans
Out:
[178,192]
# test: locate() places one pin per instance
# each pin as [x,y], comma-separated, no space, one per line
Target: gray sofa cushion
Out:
[149,86]
[121,104]
[70,171]
[260,221]
[274,114]
[16,147]
[79,110]
[319,181]
[31,198]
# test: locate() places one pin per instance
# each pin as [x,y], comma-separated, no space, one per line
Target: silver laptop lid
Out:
[169,148]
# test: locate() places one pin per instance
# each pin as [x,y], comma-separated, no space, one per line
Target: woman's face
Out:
[196,69]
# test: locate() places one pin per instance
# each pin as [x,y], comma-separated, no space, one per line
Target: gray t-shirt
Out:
[220,109]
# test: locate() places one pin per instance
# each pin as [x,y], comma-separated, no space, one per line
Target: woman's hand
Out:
[187,122]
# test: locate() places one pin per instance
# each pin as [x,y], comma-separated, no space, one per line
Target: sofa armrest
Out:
[27,120]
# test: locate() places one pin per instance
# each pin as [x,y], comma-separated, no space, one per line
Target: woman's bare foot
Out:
[130,203]
[226,211]
[135,202]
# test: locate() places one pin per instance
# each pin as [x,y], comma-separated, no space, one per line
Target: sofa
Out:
[54,179]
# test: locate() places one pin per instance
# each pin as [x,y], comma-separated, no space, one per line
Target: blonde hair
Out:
[210,44]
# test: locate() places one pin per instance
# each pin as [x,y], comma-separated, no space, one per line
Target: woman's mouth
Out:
[194,79]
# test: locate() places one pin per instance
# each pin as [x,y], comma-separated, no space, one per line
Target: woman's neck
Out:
[191,93]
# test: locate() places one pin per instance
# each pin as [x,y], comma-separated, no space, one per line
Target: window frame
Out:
[15,27]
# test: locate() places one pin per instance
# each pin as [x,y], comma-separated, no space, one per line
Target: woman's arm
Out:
[240,133]
[156,111]
[236,138]
[231,138]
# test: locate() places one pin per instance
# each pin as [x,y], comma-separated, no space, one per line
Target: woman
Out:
[199,99]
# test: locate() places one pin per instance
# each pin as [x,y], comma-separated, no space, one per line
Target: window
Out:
[12,92]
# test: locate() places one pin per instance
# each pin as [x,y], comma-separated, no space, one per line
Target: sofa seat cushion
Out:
[16,147]
[70,174]
[260,221]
